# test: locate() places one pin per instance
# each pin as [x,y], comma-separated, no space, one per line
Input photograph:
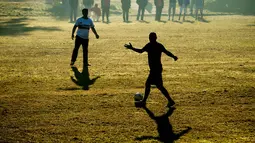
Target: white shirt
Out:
[83,27]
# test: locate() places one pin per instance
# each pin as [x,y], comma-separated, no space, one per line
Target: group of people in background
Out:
[104,11]
[92,7]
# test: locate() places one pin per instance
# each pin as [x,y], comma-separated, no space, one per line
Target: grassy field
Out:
[212,83]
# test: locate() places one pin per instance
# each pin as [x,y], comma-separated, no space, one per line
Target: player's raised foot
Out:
[171,104]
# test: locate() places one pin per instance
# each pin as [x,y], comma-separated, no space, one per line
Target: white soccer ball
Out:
[138,96]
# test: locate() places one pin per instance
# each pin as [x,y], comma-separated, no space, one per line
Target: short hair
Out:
[85,10]
[153,34]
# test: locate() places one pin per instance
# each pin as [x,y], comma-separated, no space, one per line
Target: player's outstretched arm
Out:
[129,46]
[170,55]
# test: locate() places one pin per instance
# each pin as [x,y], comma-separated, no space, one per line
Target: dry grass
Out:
[212,83]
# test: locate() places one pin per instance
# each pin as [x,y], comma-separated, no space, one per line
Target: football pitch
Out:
[212,83]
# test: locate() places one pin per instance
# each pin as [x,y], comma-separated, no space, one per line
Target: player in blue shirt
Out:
[84,24]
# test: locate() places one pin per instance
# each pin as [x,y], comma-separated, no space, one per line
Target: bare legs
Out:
[163,91]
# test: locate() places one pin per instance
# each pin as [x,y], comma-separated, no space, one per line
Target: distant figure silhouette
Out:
[172,6]
[154,50]
[82,36]
[164,127]
[159,6]
[73,10]
[141,8]
[183,7]
[126,4]
[199,6]
[96,12]
[105,5]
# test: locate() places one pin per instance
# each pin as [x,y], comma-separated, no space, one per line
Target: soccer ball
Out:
[138,96]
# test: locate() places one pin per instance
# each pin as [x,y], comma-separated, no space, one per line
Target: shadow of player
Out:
[82,78]
[164,127]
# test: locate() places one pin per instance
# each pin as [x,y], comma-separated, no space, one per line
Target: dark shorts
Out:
[155,78]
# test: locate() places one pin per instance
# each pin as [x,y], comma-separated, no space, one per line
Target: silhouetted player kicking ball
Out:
[83,23]
[154,50]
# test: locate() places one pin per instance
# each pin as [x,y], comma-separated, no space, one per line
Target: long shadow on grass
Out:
[82,78]
[19,26]
[164,127]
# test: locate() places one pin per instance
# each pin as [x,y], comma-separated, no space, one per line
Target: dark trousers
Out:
[158,13]
[78,42]
[105,12]
[73,14]
[125,14]
[140,9]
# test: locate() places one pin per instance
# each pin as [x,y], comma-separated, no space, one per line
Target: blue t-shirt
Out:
[83,27]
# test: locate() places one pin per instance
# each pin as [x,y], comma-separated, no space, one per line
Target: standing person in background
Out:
[199,6]
[159,6]
[88,4]
[105,5]
[84,24]
[126,4]
[73,10]
[192,3]
[96,12]
[141,8]
[183,7]
[172,6]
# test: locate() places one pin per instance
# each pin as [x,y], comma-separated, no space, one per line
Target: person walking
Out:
[105,5]
[172,6]
[126,4]
[154,50]
[84,24]
[183,7]
[141,8]
[159,6]
[73,10]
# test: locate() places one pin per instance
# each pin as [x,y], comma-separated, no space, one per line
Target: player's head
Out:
[153,37]
[85,12]
[96,5]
